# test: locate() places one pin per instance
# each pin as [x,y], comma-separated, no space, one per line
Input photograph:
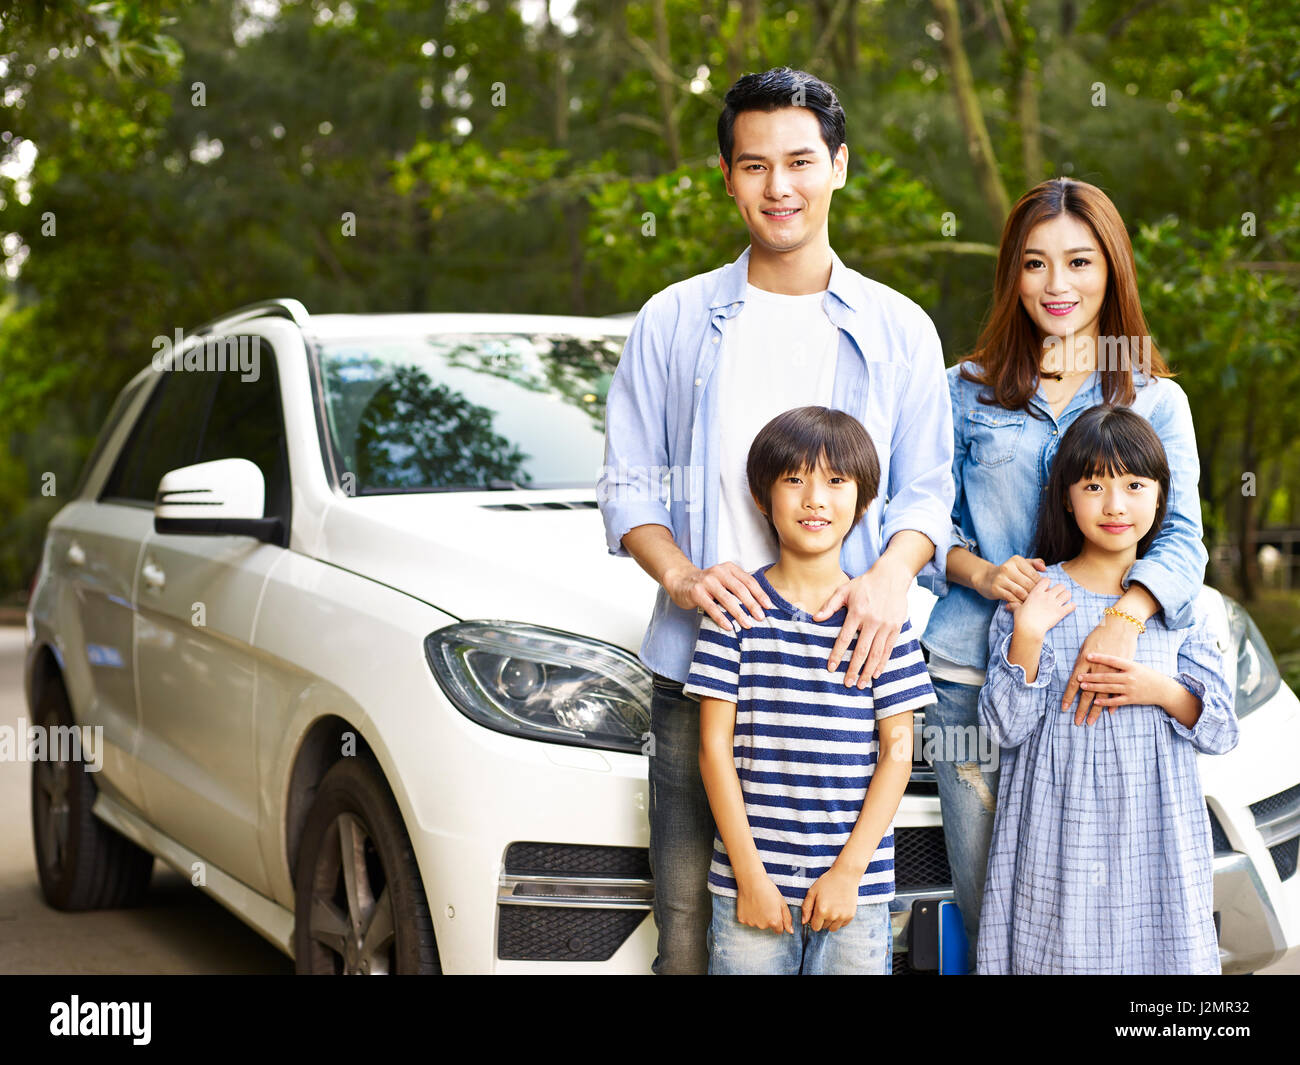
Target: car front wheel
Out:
[360,907]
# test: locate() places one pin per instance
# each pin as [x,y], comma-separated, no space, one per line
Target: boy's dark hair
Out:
[1104,440]
[773,90]
[799,439]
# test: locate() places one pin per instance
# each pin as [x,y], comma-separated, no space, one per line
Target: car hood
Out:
[535,556]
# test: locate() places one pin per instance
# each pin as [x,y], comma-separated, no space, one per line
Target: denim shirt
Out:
[662,428]
[1001,461]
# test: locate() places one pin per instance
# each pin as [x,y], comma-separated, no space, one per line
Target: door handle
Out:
[153,576]
[76,556]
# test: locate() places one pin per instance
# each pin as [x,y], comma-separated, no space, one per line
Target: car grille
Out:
[526,933]
[920,859]
[574,859]
[1217,835]
[1284,857]
[1281,803]
[1278,821]
[569,901]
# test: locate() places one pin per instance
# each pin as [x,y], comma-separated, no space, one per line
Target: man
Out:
[708,362]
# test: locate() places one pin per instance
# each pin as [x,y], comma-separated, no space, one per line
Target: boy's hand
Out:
[1129,684]
[832,902]
[1042,608]
[760,904]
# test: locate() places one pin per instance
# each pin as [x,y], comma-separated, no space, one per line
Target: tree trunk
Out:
[972,116]
[1031,142]
[666,88]
[1246,564]
[570,209]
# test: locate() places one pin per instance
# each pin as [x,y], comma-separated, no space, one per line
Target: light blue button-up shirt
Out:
[662,428]
[1001,462]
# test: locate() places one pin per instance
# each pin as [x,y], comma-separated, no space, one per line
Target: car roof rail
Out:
[284,308]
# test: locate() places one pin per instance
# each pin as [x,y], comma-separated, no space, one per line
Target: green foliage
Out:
[193,157]
[644,235]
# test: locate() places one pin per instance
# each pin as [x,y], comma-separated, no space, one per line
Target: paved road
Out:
[181,930]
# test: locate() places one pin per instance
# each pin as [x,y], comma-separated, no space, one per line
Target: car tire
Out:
[360,906]
[83,864]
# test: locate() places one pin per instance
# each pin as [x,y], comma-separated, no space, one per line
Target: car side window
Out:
[124,399]
[247,422]
[165,437]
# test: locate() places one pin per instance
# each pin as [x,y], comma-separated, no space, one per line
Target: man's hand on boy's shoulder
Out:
[724,587]
[832,901]
[877,609]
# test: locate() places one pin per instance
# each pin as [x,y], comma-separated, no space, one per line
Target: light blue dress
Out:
[1101,858]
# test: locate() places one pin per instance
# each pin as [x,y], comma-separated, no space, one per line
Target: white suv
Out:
[334,595]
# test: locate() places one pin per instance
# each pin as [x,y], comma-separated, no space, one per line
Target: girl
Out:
[1065,295]
[1101,854]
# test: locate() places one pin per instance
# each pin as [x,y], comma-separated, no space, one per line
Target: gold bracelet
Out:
[1127,617]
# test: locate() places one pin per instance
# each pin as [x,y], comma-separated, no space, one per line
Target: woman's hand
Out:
[1012,581]
[1129,684]
[760,904]
[1115,637]
[1043,607]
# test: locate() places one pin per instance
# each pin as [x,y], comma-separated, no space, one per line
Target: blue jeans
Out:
[681,831]
[863,947]
[967,797]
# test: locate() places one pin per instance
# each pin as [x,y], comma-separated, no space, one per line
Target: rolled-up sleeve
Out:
[1200,671]
[629,489]
[937,582]
[1173,569]
[1009,706]
[920,465]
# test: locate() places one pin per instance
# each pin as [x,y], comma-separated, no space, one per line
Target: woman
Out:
[1065,333]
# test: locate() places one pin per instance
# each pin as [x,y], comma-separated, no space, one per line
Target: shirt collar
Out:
[731,291]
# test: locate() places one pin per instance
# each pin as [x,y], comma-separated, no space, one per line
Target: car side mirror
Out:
[226,496]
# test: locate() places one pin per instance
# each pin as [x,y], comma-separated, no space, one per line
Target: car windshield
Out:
[465,411]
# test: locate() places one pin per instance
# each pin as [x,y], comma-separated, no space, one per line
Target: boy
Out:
[803,869]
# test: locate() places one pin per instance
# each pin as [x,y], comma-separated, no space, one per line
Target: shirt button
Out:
[715,340]
[1053,432]
[699,381]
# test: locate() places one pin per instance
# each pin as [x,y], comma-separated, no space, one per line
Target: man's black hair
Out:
[773,90]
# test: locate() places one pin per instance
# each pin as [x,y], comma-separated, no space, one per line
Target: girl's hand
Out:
[832,902]
[760,904]
[1012,581]
[1129,684]
[1043,607]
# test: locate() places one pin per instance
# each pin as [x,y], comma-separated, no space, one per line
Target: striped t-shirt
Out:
[805,744]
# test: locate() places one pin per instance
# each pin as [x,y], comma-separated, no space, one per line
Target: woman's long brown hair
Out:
[1008,354]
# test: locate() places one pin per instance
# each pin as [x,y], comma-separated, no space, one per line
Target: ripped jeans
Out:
[967,796]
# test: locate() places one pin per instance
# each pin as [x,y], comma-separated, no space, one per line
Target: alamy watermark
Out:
[1105,353]
[240,354]
[652,484]
[58,743]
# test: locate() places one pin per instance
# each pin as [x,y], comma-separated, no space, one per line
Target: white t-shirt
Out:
[780,353]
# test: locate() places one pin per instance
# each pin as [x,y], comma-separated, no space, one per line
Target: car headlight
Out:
[1258,678]
[543,684]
